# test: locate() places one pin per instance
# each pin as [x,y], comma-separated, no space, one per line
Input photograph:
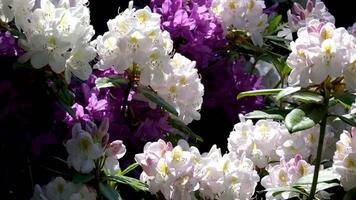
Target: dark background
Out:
[15,182]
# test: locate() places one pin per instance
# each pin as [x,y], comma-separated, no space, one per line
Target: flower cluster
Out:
[322,51]
[268,141]
[60,189]
[285,174]
[195,31]
[244,15]
[226,176]
[135,42]
[345,159]
[300,17]
[87,147]
[180,171]
[58,35]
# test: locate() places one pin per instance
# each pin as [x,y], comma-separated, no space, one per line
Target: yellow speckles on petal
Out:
[163,168]
[176,154]
[250,4]
[302,170]
[233,5]
[349,162]
[183,81]
[326,33]
[173,89]
[226,167]
[142,17]
[282,177]
[110,43]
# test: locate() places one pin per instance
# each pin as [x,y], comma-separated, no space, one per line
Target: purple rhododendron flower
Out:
[8,45]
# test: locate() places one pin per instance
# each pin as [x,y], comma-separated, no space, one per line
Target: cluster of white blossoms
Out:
[135,41]
[60,189]
[87,146]
[284,174]
[268,141]
[321,50]
[243,15]
[182,88]
[57,34]
[226,176]
[181,172]
[299,17]
[345,159]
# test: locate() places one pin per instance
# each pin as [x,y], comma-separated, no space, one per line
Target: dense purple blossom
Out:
[223,83]
[140,124]
[8,45]
[194,29]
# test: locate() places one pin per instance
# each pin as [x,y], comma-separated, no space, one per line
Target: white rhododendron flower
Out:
[182,88]
[243,15]
[6,11]
[114,152]
[286,173]
[345,159]
[258,142]
[168,170]
[305,143]
[60,189]
[58,35]
[299,17]
[83,150]
[321,50]
[181,171]
[268,141]
[226,176]
[135,39]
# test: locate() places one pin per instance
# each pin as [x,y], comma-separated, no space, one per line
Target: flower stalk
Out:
[320,150]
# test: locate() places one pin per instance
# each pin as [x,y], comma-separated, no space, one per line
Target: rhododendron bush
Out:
[115,114]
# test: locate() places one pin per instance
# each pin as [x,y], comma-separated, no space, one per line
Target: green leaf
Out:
[17,34]
[350,195]
[64,96]
[273,24]
[350,121]
[82,178]
[155,98]
[325,186]
[304,117]
[257,114]
[179,125]
[308,97]
[130,168]
[134,183]
[287,91]
[279,190]
[258,93]
[346,99]
[324,176]
[105,82]
[108,192]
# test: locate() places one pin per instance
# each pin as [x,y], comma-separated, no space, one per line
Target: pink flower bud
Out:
[297,9]
[310,6]
[116,148]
